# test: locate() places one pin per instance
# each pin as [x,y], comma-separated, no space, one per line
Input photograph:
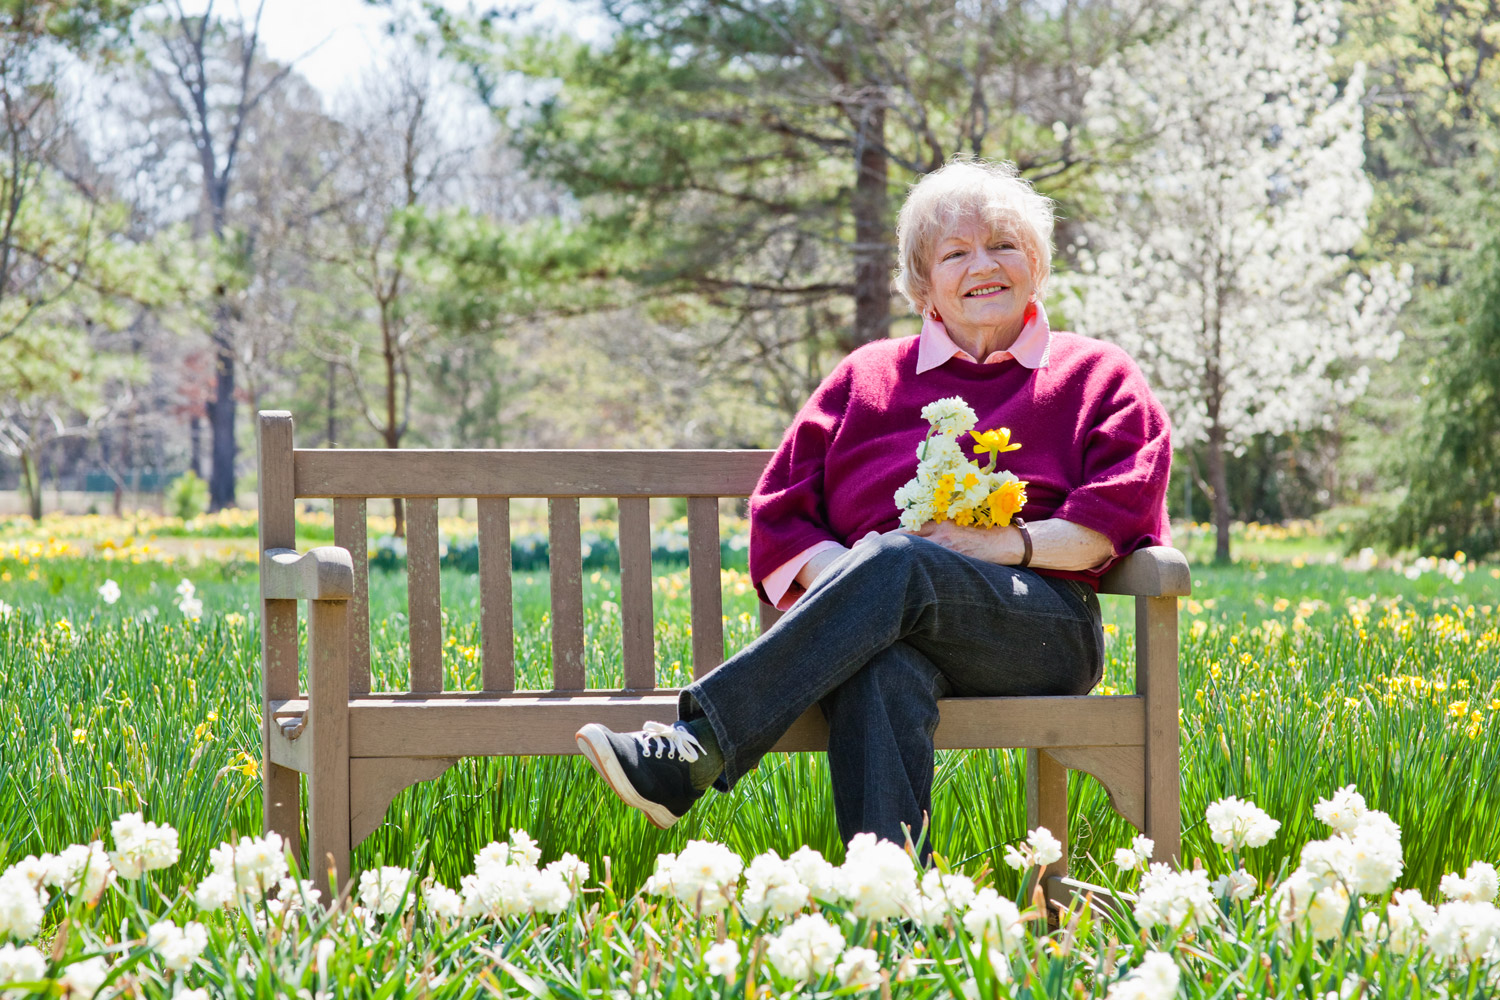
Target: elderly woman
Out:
[880,623]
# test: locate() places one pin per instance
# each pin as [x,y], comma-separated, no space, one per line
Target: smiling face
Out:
[981,283]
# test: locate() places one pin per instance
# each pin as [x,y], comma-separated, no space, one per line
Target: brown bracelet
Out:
[1025,541]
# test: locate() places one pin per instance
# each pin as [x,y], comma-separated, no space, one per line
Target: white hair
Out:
[990,192]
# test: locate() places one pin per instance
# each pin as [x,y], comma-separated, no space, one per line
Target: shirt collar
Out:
[1032,348]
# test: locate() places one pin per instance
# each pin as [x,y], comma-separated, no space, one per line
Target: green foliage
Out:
[1274,710]
[1451,466]
[187,496]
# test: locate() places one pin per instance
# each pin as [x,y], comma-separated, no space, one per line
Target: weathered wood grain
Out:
[351,533]
[496,611]
[705,588]
[281,810]
[455,725]
[636,598]
[415,472]
[565,559]
[424,601]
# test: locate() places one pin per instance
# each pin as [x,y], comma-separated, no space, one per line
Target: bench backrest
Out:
[350,477]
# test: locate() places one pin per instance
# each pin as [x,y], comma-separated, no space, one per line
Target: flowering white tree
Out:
[1220,258]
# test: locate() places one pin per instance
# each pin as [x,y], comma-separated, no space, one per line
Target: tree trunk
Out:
[31,480]
[872,247]
[195,436]
[1219,480]
[332,381]
[221,420]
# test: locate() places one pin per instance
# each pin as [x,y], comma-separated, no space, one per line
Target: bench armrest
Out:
[325,573]
[1156,571]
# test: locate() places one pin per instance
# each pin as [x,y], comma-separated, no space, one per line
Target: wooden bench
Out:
[359,748]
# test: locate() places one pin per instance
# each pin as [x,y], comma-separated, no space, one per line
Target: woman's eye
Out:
[951,254]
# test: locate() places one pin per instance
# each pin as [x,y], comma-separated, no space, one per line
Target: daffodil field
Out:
[130,805]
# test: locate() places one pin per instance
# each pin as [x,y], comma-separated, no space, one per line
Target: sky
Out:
[332,41]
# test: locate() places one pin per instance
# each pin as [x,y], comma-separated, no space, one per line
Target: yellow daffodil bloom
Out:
[1006,502]
[992,443]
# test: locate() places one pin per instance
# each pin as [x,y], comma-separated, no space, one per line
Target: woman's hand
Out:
[1055,543]
[996,545]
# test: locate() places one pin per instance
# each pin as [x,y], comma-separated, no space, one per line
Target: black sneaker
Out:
[646,769]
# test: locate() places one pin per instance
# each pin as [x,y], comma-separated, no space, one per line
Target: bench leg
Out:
[1156,681]
[1047,805]
[328,728]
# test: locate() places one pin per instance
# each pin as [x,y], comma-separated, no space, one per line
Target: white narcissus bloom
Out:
[702,876]
[191,607]
[1477,885]
[1321,901]
[141,847]
[21,964]
[110,591]
[1407,919]
[83,978]
[1235,823]
[722,959]
[572,870]
[877,878]
[1171,898]
[214,892]
[254,865]
[1156,978]
[524,849]
[994,919]
[1238,884]
[21,906]
[1342,810]
[81,869]
[1041,848]
[940,894]
[860,968]
[443,902]
[1464,931]
[807,947]
[179,946]
[951,415]
[772,886]
[383,889]
[816,872]
[199,994]
[1136,855]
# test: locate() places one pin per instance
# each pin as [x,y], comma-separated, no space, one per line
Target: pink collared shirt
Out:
[934,349]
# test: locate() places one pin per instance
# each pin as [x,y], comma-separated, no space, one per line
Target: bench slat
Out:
[424,603]
[414,472]
[636,605]
[565,558]
[350,532]
[453,726]
[496,614]
[705,589]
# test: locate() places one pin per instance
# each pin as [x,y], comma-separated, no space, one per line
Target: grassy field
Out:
[1299,675]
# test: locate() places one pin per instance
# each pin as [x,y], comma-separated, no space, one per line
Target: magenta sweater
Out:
[1095,447]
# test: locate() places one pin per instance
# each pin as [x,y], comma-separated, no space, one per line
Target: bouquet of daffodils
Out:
[949,487]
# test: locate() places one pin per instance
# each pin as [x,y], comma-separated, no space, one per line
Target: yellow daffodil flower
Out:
[992,443]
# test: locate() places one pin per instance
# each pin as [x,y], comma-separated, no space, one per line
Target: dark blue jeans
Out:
[885,631]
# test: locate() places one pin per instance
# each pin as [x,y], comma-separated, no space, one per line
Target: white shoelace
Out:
[671,741]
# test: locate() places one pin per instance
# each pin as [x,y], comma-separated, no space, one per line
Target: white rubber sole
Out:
[593,742]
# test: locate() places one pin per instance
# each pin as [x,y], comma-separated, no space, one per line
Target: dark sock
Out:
[710,763]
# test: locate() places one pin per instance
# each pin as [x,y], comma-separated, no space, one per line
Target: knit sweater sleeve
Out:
[1127,459]
[788,510]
